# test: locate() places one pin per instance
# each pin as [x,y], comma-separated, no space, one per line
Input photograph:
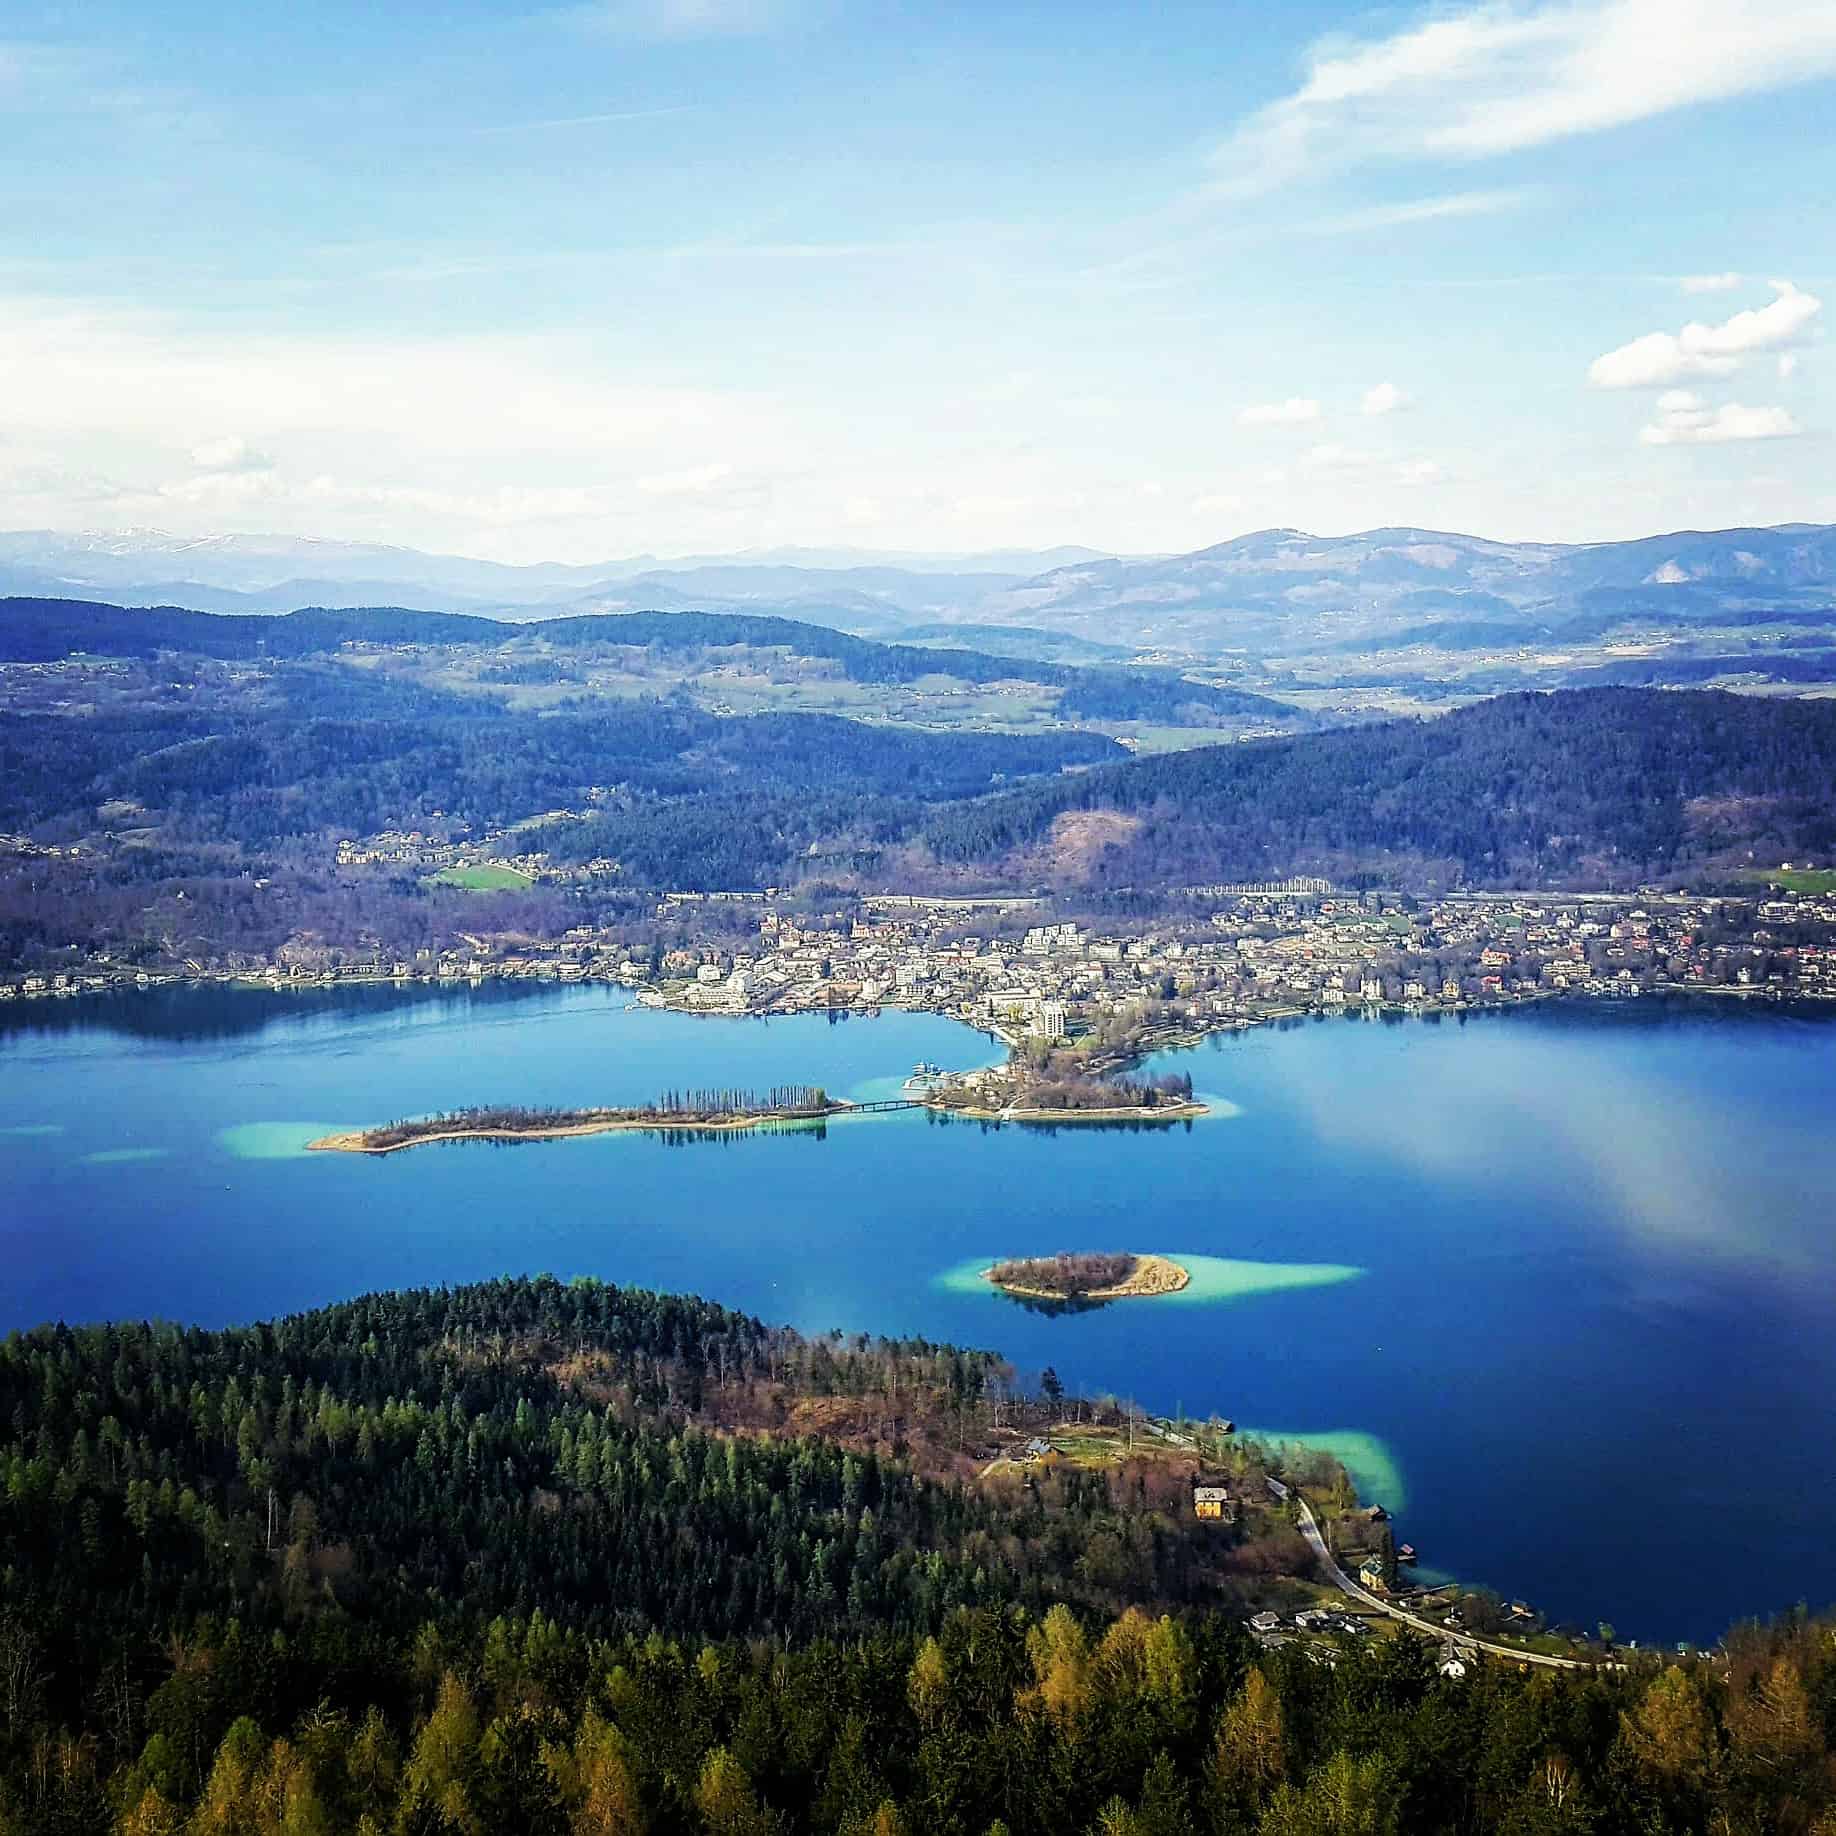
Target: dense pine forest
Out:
[1593,787]
[534,1557]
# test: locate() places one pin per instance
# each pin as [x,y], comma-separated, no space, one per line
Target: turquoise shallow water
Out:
[1559,1286]
[1215,1280]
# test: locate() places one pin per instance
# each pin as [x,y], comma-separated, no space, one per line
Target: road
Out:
[1461,1641]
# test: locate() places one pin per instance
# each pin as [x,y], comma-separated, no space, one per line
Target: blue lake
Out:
[1560,1285]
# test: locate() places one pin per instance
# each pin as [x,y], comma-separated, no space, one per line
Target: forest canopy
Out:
[525,1557]
[1595,787]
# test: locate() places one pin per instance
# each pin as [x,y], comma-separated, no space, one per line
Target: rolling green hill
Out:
[46,630]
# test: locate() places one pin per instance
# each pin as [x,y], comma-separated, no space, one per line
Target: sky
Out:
[669,276]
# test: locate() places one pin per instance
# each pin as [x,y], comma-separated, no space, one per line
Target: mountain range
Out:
[855,589]
[1284,588]
[1271,592]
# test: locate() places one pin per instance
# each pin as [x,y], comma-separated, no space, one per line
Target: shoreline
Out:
[1165,1115]
[355,1141]
[1153,1277]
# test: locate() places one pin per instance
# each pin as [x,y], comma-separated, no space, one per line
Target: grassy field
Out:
[1802,879]
[482,878]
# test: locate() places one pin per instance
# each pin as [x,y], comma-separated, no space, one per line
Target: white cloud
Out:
[1508,74]
[1711,283]
[1685,419]
[81,371]
[1761,328]
[1427,210]
[1216,503]
[223,491]
[691,481]
[1385,398]
[989,504]
[429,441]
[507,506]
[1653,360]
[1707,350]
[1788,365]
[231,453]
[1332,456]
[1296,409]
[1418,472]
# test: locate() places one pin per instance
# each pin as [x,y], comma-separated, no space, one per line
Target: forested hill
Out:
[45,630]
[1590,787]
[527,1559]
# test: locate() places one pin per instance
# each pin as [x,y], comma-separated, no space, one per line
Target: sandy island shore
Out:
[357,1141]
[1152,1275]
[1172,1112]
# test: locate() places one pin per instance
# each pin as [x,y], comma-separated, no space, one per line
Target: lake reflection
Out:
[1559,1283]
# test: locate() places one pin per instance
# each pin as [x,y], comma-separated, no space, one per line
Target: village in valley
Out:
[1034,972]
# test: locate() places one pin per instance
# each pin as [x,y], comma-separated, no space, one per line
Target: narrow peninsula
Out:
[984,1096]
[1077,1279]
[730,1110]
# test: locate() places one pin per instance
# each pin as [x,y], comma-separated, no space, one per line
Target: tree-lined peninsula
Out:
[731,1109]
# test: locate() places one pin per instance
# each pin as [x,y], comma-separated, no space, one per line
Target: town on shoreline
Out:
[1071,1002]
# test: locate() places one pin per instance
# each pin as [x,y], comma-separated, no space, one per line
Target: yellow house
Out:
[1213,1502]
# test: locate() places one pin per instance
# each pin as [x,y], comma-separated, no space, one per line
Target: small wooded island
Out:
[1021,1093]
[1086,1277]
[676,1109]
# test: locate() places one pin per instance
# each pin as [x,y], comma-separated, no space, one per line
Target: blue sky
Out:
[678,275]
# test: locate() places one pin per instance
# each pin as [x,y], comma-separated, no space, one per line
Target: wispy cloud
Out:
[1710,283]
[787,251]
[1296,410]
[232,453]
[691,481]
[610,118]
[1685,419]
[45,78]
[402,434]
[1428,210]
[1511,74]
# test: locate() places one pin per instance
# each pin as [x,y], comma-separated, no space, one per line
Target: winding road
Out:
[1461,1641]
